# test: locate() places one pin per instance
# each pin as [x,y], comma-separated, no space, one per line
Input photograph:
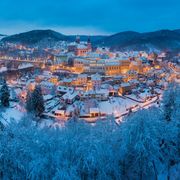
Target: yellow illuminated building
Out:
[110,67]
[54,80]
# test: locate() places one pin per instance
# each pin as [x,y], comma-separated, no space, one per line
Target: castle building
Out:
[83,49]
[109,67]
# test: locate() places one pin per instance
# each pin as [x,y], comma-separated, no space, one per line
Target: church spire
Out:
[89,43]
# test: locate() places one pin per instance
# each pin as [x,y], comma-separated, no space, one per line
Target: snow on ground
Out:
[140,97]
[46,123]
[116,106]
[15,113]
[174,173]
[149,103]
[133,96]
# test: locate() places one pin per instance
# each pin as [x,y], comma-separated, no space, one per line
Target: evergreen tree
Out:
[170,144]
[37,101]
[140,151]
[29,102]
[82,151]
[168,102]
[4,94]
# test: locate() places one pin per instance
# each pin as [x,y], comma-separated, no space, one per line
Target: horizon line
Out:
[88,34]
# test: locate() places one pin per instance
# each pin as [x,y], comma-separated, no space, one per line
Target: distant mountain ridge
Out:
[162,39]
[177,30]
[2,36]
[128,40]
[35,36]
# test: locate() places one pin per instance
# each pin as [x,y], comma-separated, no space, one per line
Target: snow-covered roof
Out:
[100,91]
[125,85]
[25,65]
[3,69]
[47,83]
[65,89]
[82,75]
[94,110]
[47,73]
[134,81]
[95,77]
[112,63]
[67,80]
[93,55]
[70,95]
[47,97]
[81,46]
[134,63]
[60,111]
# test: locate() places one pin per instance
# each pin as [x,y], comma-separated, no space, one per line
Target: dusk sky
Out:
[88,16]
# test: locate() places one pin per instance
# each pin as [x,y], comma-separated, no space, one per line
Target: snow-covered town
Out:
[90,90]
[79,81]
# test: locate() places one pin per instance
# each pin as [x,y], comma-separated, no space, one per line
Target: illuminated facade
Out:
[111,67]
[82,50]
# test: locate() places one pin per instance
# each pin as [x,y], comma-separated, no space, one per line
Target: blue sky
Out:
[89,16]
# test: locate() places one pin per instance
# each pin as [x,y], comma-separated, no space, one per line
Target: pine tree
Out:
[37,101]
[170,142]
[168,102]
[4,94]
[140,149]
[29,102]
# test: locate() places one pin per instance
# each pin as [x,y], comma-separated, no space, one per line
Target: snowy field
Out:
[116,106]
[15,112]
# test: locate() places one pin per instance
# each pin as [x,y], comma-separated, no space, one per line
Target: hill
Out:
[94,38]
[160,40]
[128,40]
[177,30]
[2,36]
[35,36]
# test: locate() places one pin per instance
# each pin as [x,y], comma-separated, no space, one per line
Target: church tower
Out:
[89,46]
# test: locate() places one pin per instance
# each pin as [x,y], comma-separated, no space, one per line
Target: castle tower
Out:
[89,44]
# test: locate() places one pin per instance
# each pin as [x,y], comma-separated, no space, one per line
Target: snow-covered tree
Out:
[37,101]
[170,145]
[29,102]
[4,94]
[140,150]
[141,147]
[76,151]
[168,101]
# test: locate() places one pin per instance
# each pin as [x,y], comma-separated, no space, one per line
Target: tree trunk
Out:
[155,171]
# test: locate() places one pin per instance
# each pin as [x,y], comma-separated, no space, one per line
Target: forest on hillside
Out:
[146,145]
